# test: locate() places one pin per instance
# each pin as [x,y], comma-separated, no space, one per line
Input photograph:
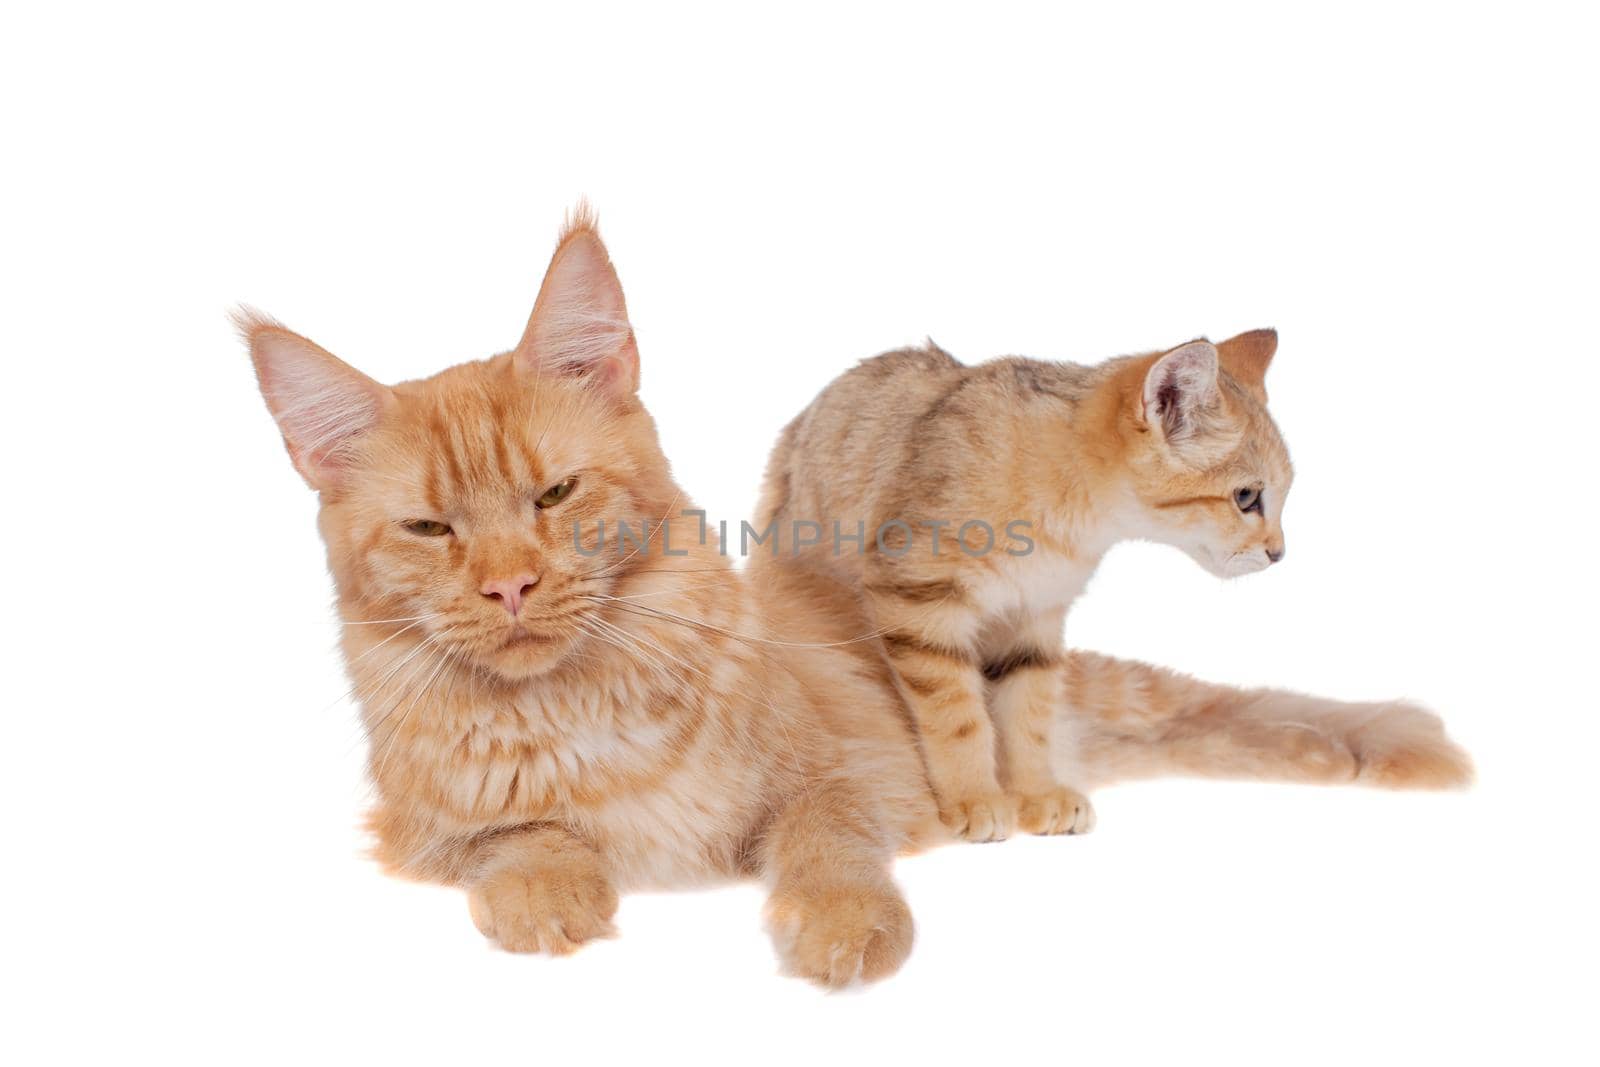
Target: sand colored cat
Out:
[556,718]
[991,493]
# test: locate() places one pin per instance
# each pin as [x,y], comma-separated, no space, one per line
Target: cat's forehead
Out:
[483,430]
[1254,447]
[1264,448]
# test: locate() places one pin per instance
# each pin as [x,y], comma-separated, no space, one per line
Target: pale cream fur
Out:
[1172,446]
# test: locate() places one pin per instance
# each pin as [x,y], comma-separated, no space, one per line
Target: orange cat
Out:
[557,714]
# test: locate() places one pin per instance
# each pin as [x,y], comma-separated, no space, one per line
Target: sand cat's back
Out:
[838,458]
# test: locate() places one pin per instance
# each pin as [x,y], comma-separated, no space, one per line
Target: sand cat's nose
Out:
[1275,553]
[510,591]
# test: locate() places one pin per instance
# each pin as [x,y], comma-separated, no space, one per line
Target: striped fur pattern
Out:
[1131,720]
[1172,446]
[631,718]
[641,719]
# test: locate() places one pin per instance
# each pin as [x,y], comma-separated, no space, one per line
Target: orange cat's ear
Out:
[322,404]
[579,324]
[1177,387]
[1246,358]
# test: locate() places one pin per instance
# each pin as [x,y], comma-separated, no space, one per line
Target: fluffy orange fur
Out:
[554,720]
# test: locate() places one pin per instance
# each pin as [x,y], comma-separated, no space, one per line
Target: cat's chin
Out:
[1232,565]
[526,655]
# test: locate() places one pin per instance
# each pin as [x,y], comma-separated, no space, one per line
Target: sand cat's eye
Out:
[557,493]
[1248,499]
[426,528]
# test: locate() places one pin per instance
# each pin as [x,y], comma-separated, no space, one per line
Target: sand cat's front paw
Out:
[548,910]
[990,817]
[840,934]
[1058,810]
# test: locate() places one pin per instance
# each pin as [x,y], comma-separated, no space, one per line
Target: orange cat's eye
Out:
[427,528]
[556,494]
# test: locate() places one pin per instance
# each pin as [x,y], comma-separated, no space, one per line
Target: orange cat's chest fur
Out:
[640,763]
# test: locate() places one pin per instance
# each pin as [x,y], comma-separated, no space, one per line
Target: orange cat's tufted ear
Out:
[1246,358]
[579,324]
[322,404]
[1179,386]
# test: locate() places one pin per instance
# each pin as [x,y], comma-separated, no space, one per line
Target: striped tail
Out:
[1133,720]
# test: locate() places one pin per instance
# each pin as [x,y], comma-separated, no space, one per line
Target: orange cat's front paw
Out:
[551,911]
[1058,810]
[837,935]
[980,818]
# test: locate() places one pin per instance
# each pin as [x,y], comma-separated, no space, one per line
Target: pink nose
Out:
[510,591]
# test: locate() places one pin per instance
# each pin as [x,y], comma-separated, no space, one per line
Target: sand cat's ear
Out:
[1247,357]
[1179,386]
[322,404]
[579,324]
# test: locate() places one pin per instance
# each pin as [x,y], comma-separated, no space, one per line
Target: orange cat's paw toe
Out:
[837,935]
[543,911]
[982,818]
[1059,810]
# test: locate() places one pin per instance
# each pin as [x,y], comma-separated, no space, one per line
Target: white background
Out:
[1407,194]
